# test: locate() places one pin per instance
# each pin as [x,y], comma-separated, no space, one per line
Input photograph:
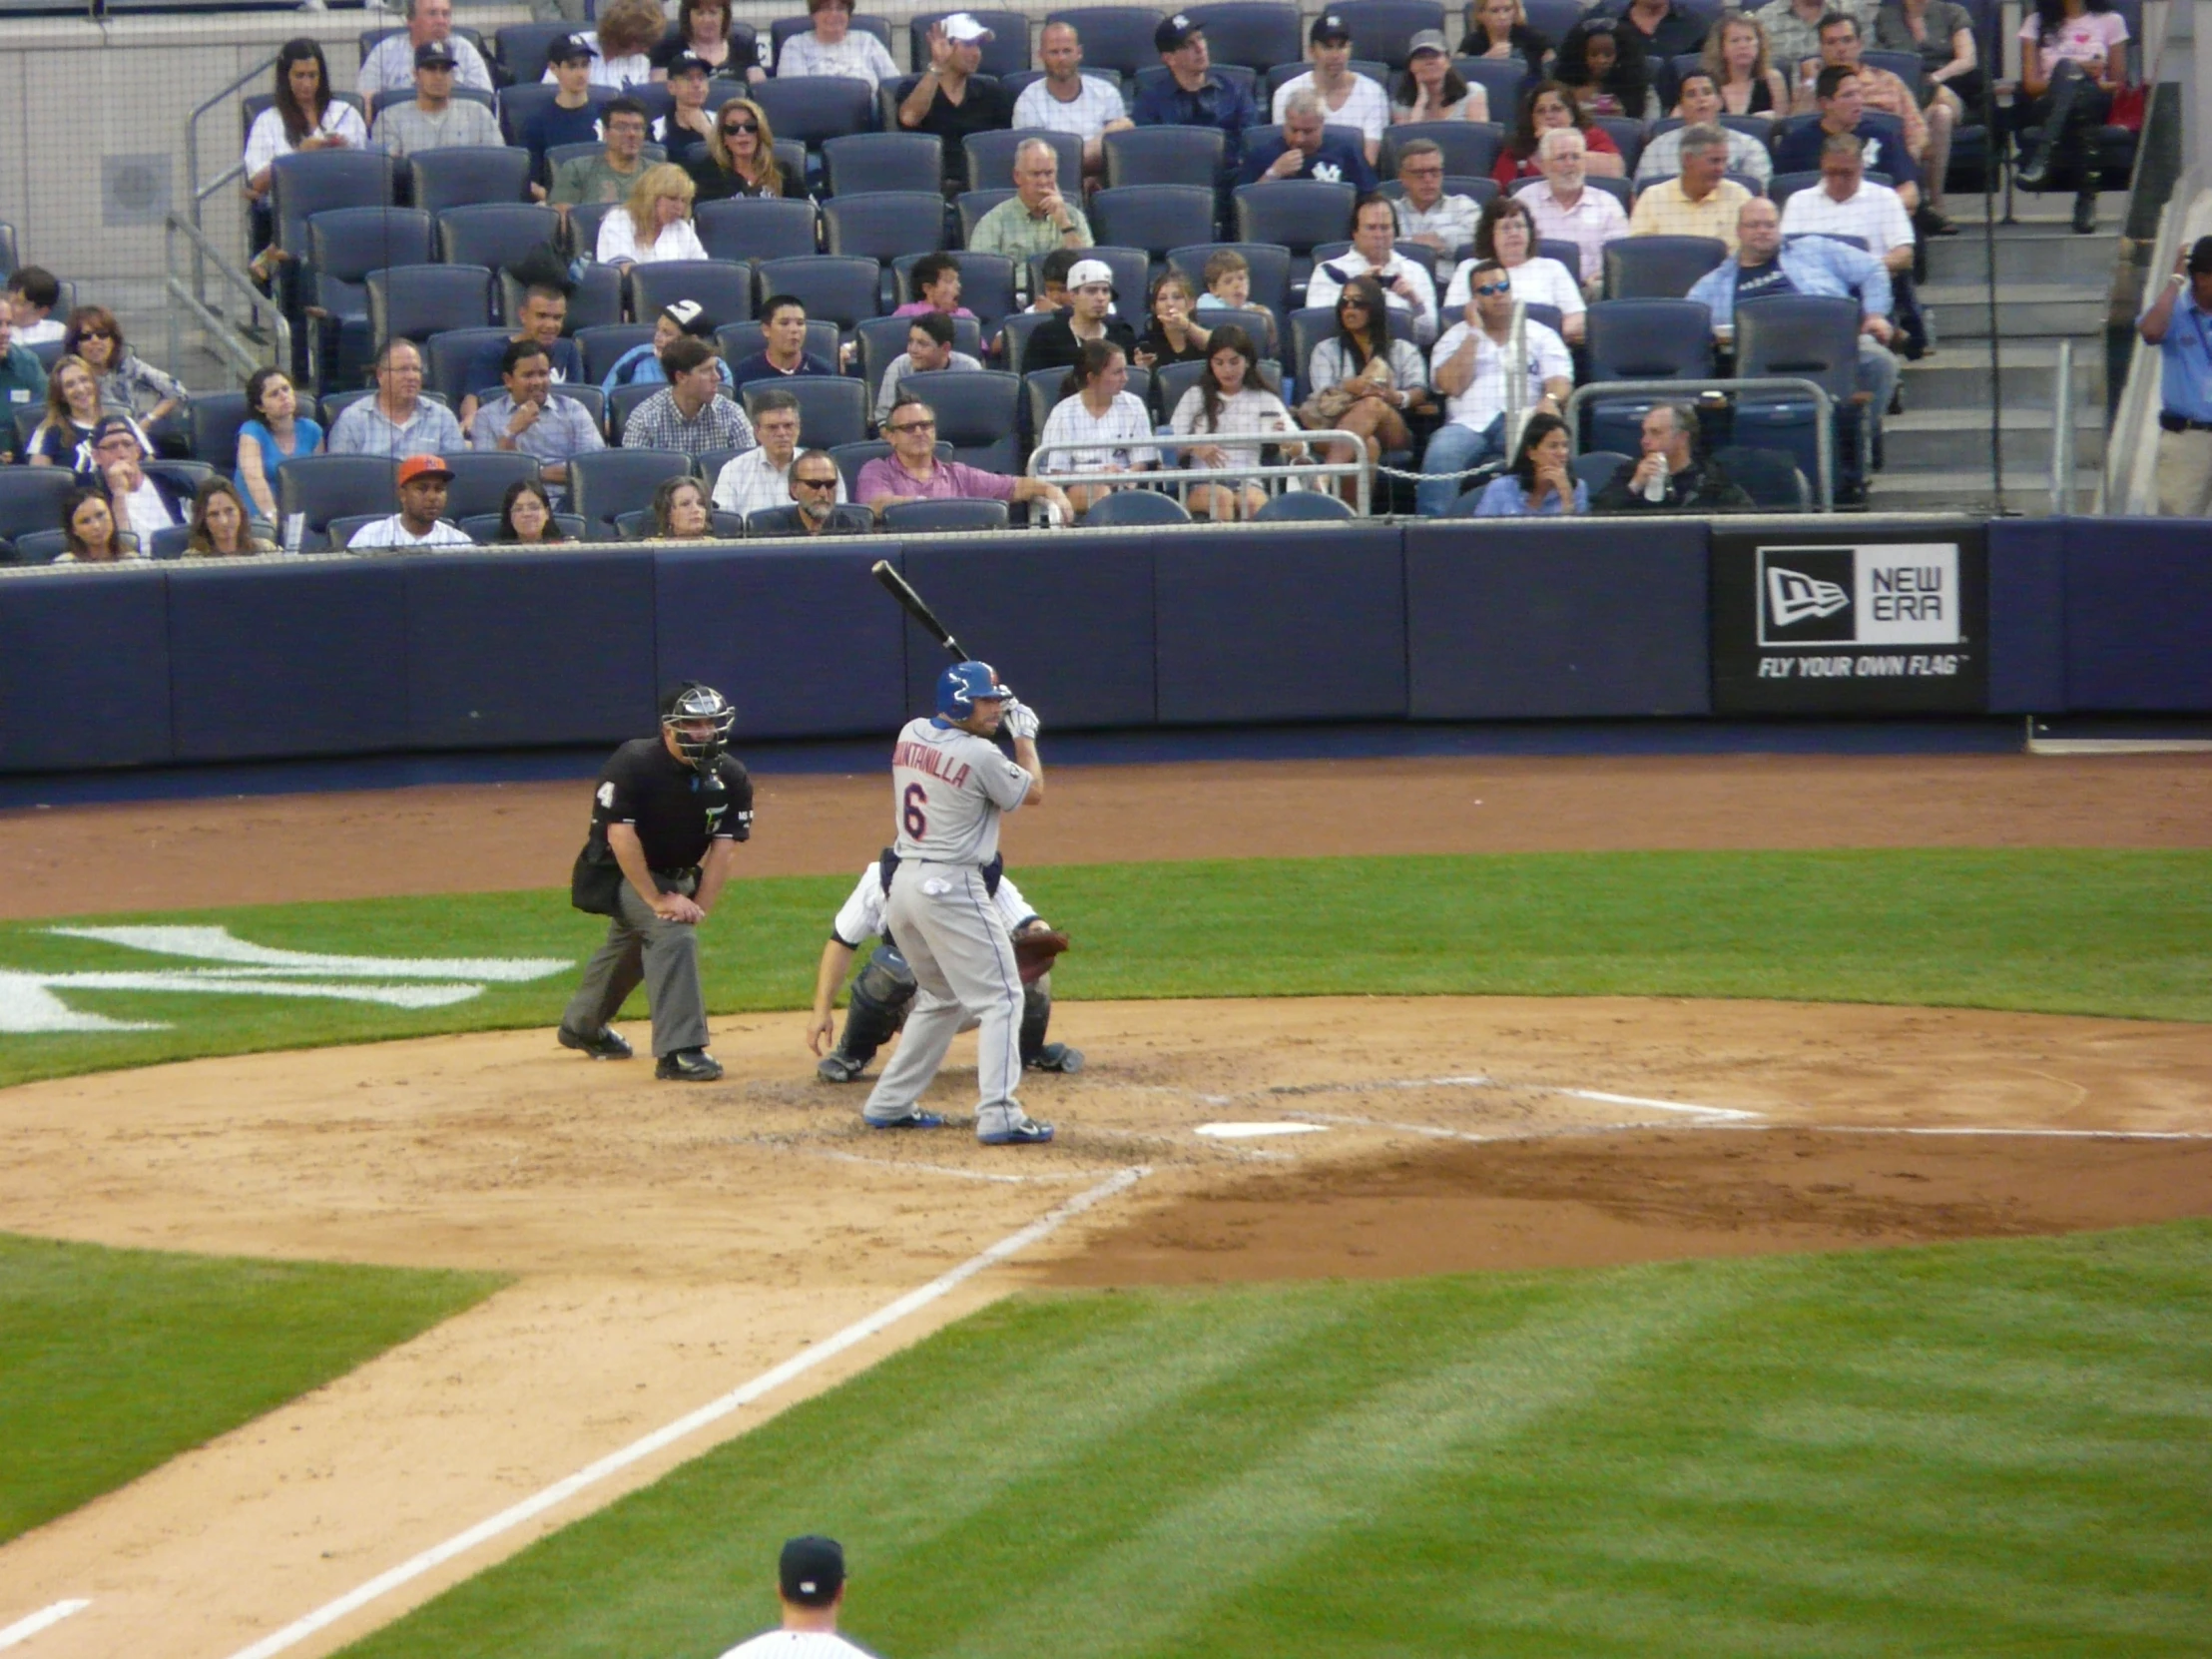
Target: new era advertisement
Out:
[1872,622]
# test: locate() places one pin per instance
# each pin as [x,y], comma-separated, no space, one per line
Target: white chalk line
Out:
[1480,1082]
[799,1364]
[45,1618]
[1436,1132]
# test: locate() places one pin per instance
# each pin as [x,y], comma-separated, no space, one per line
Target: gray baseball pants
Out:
[951,934]
[664,954]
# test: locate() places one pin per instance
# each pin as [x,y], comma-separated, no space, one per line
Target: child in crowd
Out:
[1227,282]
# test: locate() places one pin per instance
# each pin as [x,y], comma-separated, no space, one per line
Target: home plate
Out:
[1253,1131]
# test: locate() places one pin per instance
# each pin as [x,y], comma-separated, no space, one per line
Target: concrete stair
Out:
[2051,286]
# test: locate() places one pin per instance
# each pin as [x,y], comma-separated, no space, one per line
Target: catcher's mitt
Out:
[1036,950]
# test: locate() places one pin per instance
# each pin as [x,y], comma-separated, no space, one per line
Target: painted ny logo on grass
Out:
[28,1001]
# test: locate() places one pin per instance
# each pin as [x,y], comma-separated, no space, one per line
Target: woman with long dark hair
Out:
[680,511]
[1364,382]
[1097,408]
[89,533]
[303,117]
[1604,62]
[1429,89]
[741,155]
[1229,401]
[526,515]
[126,380]
[2073,58]
[1540,482]
[221,528]
[1547,105]
[273,432]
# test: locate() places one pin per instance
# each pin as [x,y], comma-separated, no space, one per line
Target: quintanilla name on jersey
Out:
[923,758]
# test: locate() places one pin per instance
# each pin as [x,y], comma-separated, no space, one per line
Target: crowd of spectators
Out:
[1458,309]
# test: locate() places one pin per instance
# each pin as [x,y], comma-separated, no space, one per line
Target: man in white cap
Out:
[809,1585]
[950,99]
[1090,315]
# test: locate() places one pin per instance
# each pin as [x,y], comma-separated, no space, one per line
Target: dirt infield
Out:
[673,1242]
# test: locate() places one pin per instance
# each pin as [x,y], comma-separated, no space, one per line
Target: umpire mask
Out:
[689,705]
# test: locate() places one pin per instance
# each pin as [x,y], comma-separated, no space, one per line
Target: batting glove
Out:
[1020,720]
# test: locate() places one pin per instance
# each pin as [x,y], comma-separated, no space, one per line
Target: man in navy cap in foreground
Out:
[810,1584]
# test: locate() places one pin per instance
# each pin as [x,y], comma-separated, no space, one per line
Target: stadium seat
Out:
[880,225]
[1117,40]
[1294,506]
[813,109]
[986,283]
[418,300]
[850,458]
[874,162]
[1256,33]
[40,547]
[832,408]
[324,487]
[1296,212]
[1815,339]
[1155,218]
[593,399]
[584,220]
[708,463]
[1164,156]
[604,342]
[316,181]
[1005,53]
[972,204]
[1782,186]
[1137,506]
[608,482]
[462,174]
[339,534]
[1384,28]
[1641,340]
[991,156]
[739,341]
[756,228]
[343,245]
[845,519]
[624,400]
[1658,268]
[1270,265]
[1502,79]
[978,413]
[1594,469]
[1770,477]
[920,517]
[834,289]
[495,235]
[521,49]
[31,498]
[724,288]
[446,358]
[638,525]
[170,543]
[1469,147]
[482,480]
[1013,339]
[213,420]
[884,338]
[596,299]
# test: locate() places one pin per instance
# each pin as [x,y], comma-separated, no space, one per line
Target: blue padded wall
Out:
[1068,626]
[803,641]
[1287,624]
[506,650]
[84,672]
[277,658]
[2027,615]
[2138,595]
[1542,619]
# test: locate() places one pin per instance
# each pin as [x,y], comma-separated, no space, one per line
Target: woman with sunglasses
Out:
[1364,382]
[1507,232]
[740,156]
[126,381]
[1540,482]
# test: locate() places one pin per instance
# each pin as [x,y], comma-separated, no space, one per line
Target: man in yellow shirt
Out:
[1701,201]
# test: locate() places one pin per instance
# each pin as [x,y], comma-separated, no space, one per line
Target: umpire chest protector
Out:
[675,809]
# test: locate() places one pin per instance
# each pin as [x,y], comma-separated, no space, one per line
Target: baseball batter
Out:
[950,785]
[666,815]
[885,988]
[810,1587]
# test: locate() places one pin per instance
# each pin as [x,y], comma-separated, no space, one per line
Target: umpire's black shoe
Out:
[602,1044]
[689,1065]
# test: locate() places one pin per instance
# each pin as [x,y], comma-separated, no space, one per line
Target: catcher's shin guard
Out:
[877,1007]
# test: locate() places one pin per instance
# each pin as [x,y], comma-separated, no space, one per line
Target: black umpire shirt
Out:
[673,809]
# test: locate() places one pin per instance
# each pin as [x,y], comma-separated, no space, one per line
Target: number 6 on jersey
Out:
[915,818]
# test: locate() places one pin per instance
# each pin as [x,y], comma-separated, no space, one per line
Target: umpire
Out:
[666,820]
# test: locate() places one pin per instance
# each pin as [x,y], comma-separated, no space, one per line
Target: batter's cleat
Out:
[1057,1057]
[689,1065]
[1020,1132]
[838,1067]
[913,1120]
[601,1045]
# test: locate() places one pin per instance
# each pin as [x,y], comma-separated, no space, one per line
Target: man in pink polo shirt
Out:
[912,473]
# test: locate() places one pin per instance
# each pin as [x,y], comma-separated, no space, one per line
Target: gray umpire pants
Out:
[949,931]
[664,954]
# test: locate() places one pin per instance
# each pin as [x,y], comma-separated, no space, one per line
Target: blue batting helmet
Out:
[960,685]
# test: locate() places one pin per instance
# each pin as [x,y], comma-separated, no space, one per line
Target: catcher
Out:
[885,989]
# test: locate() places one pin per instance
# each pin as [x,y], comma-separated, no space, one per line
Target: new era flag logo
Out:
[1793,596]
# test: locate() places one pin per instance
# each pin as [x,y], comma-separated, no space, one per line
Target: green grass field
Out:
[112,1361]
[2120,933]
[1998,1449]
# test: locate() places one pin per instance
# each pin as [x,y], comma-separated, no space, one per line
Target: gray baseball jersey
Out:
[949,789]
[863,913]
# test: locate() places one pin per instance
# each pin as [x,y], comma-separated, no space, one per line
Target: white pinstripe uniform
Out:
[948,790]
[799,1644]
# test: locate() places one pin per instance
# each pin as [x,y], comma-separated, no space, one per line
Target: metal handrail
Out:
[1280,472]
[1824,440]
[237,170]
[2062,432]
[225,340]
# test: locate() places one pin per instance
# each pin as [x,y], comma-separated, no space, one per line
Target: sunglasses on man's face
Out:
[816,483]
[1488,288]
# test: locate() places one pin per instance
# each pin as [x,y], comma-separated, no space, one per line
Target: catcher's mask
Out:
[687,704]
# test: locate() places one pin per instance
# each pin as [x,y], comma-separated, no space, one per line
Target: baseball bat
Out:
[917,608]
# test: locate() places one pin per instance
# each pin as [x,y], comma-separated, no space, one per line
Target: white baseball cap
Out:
[964,28]
[1084,272]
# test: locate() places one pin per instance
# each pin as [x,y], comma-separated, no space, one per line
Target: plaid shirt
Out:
[1084,115]
[1664,210]
[658,423]
[752,483]
[1590,224]
[1452,221]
